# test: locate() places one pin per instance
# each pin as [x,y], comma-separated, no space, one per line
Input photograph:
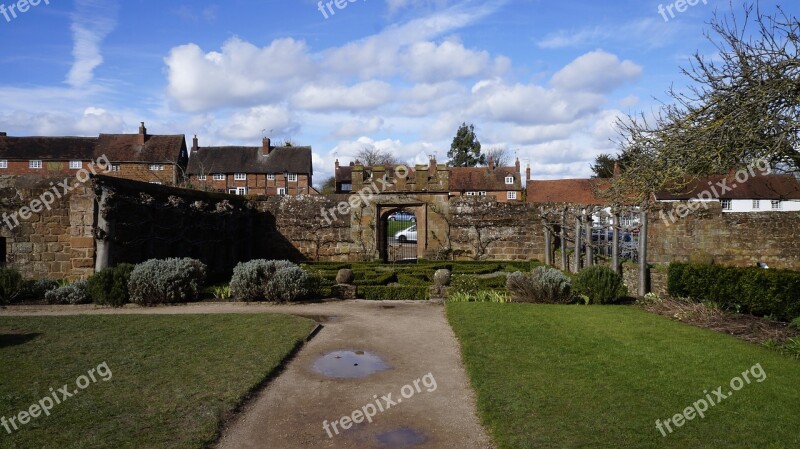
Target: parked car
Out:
[402,216]
[407,235]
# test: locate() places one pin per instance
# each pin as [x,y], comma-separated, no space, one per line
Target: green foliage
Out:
[480,296]
[600,285]
[462,283]
[74,293]
[272,280]
[34,290]
[465,151]
[110,285]
[166,281]
[221,292]
[543,285]
[757,291]
[379,293]
[796,323]
[11,284]
[377,279]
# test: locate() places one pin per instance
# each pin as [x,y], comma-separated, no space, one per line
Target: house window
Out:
[776,205]
[35,164]
[470,193]
[115,167]
[201,177]
[240,177]
[281,191]
[509,180]
[155,182]
[481,193]
[75,165]
[156,167]
[511,195]
[270,177]
[3,163]
[726,205]
[219,177]
[292,177]
[241,190]
[346,187]
[756,204]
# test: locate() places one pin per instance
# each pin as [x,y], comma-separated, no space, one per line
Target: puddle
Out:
[401,438]
[349,364]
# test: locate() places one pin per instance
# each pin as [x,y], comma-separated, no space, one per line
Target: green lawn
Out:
[172,379]
[398,225]
[600,377]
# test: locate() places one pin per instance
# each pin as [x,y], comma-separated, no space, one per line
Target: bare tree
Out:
[371,156]
[499,156]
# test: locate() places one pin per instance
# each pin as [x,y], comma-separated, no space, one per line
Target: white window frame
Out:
[292,177]
[511,195]
[509,180]
[756,204]
[470,193]
[241,191]
[481,193]
[35,164]
[726,204]
[201,177]
[240,176]
[776,205]
[155,182]
[270,177]
[3,163]
[219,176]
[282,191]
[116,168]
[347,187]
[75,165]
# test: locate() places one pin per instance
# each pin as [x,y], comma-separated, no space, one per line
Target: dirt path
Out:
[424,393]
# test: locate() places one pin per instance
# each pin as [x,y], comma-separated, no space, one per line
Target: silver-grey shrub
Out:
[166,281]
[270,280]
[74,293]
[543,285]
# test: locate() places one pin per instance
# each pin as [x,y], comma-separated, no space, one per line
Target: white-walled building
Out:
[765,193]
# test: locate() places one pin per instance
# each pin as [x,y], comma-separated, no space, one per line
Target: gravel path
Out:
[425,394]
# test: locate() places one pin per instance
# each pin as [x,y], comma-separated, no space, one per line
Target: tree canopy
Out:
[465,151]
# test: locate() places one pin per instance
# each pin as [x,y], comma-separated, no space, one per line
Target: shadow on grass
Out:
[16,339]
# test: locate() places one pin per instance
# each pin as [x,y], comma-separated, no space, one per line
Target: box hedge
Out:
[773,293]
[378,293]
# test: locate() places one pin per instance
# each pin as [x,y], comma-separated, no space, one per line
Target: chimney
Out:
[142,134]
[616,169]
[516,164]
[528,173]
[266,146]
[3,134]
[337,164]
[195,145]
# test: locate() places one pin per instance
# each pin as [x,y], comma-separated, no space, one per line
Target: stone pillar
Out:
[548,247]
[564,240]
[103,234]
[578,227]
[643,254]
[615,242]
[589,249]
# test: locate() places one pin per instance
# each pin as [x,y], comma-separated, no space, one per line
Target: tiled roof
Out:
[207,160]
[47,148]
[483,179]
[569,191]
[764,187]
[126,148]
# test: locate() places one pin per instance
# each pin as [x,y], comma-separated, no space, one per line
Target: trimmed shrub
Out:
[543,285]
[272,280]
[34,290]
[74,293]
[796,323]
[378,293]
[166,281]
[377,279]
[760,292]
[110,285]
[11,284]
[463,283]
[599,284]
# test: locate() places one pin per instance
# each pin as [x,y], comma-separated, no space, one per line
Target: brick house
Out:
[265,170]
[504,184]
[140,157]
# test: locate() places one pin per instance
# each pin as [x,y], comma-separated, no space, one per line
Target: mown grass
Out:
[600,376]
[174,378]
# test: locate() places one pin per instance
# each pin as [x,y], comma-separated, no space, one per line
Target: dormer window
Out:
[509,180]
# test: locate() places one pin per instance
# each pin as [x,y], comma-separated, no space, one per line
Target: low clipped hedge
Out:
[378,293]
[110,285]
[380,278]
[773,293]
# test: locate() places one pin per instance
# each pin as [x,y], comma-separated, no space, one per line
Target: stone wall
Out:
[739,239]
[57,241]
[484,229]
[656,279]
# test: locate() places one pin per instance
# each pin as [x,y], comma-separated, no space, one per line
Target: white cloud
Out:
[362,96]
[256,121]
[92,21]
[354,128]
[596,71]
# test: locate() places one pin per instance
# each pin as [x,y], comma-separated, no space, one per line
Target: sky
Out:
[546,80]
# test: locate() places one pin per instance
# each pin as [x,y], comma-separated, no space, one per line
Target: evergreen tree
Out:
[465,151]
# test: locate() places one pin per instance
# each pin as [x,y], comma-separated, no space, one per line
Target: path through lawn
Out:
[600,377]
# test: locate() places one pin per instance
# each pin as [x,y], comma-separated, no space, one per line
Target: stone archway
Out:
[402,232]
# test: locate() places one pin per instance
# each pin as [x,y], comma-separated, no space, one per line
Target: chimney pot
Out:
[266,146]
[142,134]
[195,144]
[528,173]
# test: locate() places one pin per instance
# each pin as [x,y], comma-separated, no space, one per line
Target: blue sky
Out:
[544,79]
